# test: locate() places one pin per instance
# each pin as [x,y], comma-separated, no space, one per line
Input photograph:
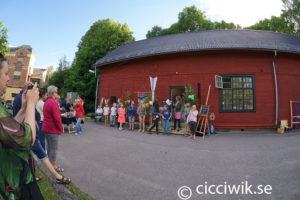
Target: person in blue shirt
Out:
[64,105]
[155,117]
[18,103]
[166,115]
[131,115]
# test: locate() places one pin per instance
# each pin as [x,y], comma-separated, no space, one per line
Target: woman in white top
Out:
[113,114]
[99,113]
[192,121]
[39,107]
[106,113]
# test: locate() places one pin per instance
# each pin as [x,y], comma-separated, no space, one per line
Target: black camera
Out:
[29,87]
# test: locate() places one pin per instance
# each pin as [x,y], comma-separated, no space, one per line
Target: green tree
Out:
[3,39]
[63,63]
[69,76]
[225,25]
[291,14]
[154,32]
[58,77]
[276,24]
[288,22]
[171,30]
[102,37]
[50,69]
[191,19]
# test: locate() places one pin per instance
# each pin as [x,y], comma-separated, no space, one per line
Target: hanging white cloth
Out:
[153,81]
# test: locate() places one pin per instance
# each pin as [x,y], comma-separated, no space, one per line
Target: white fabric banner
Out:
[153,81]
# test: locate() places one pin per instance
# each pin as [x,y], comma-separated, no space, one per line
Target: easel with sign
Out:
[204,117]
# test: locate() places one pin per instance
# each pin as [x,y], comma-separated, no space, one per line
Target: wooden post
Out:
[291,106]
[204,117]
[101,102]
[207,95]
[204,121]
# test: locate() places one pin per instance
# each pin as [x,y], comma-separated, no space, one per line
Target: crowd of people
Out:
[37,117]
[34,127]
[117,113]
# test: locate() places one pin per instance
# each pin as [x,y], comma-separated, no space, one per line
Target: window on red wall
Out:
[237,94]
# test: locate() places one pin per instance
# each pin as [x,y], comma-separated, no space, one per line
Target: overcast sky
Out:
[54,27]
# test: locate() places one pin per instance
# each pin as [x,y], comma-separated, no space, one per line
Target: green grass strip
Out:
[81,195]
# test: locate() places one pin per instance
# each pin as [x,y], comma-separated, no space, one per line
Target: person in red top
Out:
[79,114]
[80,100]
[52,125]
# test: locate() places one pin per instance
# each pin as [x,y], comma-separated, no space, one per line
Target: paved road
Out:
[110,164]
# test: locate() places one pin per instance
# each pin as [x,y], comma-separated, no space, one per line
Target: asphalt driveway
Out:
[110,164]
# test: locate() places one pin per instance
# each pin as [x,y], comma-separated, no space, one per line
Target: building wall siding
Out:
[288,72]
[10,91]
[26,63]
[201,67]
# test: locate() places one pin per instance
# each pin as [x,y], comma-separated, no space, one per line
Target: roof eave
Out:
[196,50]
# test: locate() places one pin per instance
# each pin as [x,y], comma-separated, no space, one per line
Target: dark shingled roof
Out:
[203,40]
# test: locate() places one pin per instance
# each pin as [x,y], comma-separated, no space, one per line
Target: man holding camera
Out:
[18,101]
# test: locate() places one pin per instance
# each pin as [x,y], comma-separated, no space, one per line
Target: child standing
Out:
[177,113]
[186,112]
[121,116]
[142,115]
[105,114]
[192,121]
[118,106]
[113,113]
[155,116]
[99,113]
[166,115]
[131,115]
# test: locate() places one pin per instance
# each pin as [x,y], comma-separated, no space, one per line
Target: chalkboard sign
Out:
[204,110]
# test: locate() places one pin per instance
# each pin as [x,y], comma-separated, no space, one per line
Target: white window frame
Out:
[218,81]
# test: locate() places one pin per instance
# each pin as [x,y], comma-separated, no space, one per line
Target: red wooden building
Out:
[260,72]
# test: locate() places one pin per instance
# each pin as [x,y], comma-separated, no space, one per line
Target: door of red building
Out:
[175,91]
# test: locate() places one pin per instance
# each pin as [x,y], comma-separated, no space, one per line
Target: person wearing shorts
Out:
[131,115]
[142,115]
[192,121]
